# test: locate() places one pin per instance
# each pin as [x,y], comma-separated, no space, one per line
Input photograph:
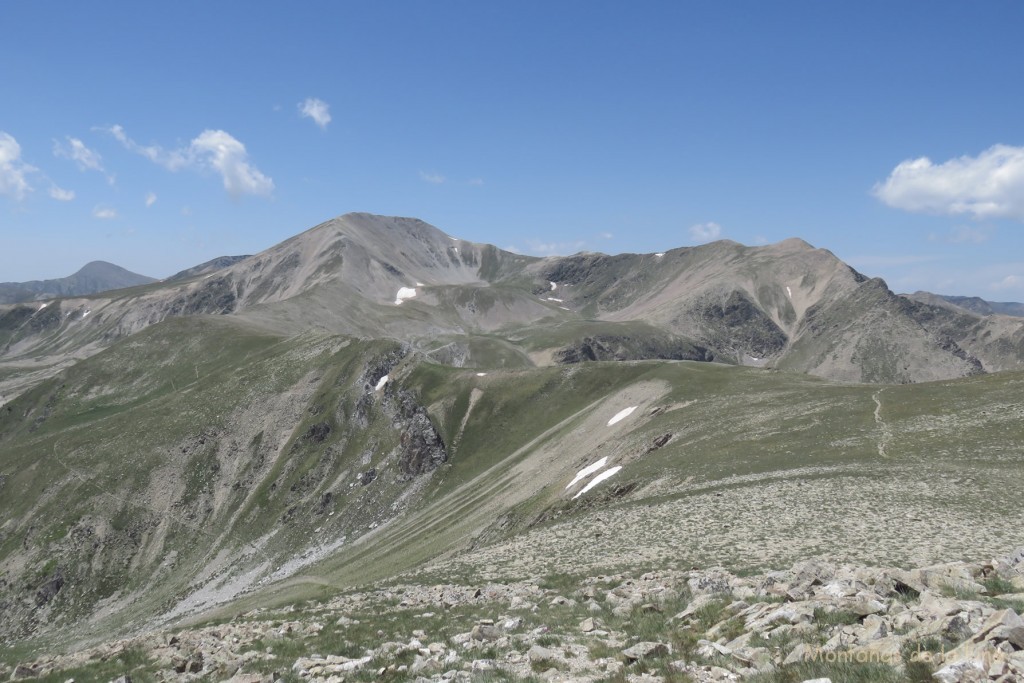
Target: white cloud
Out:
[213,149]
[435,178]
[13,170]
[172,160]
[228,156]
[316,109]
[85,158]
[61,195]
[705,232]
[1008,282]
[104,212]
[605,235]
[990,185]
[476,181]
[150,199]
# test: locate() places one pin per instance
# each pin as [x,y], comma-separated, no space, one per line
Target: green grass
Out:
[133,662]
[837,617]
[996,585]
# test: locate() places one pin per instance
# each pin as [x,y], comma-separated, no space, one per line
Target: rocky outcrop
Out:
[608,347]
[421,448]
[738,323]
[215,296]
[943,622]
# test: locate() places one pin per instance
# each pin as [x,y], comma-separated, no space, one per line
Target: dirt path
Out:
[886,436]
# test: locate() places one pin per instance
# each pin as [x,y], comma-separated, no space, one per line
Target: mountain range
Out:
[374,400]
[787,306]
[93,277]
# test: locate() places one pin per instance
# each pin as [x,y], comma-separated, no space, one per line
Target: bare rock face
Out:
[217,296]
[631,347]
[49,589]
[739,323]
[422,449]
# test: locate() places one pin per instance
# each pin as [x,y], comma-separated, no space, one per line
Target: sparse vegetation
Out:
[265,475]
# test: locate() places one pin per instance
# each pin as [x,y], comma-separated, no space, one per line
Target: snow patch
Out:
[564,308]
[456,239]
[420,284]
[87,312]
[660,254]
[621,415]
[610,472]
[380,384]
[481,374]
[789,292]
[42,306]
[551,298]
[404,293]
[554,286]
[587,471]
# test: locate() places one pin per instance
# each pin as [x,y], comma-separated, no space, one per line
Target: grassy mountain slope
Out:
[204,459]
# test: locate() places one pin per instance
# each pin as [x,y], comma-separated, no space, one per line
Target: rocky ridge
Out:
[787,306]
[952,622]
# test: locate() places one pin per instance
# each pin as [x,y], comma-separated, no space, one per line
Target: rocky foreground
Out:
[815,621]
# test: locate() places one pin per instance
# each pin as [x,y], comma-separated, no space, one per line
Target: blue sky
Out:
[158,136]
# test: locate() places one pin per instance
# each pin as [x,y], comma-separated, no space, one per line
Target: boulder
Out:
[646,650]
[485,632]
[539,653]
[961,672]
[1004,625]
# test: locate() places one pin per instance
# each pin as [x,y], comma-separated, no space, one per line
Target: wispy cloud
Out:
[60,194]
[150,199]
[883,260]
[475,181]
[13,171]
[543,248]
[605,235]
[964,234]
[316,109]
[1008,282]
[990,185]
[104,212]
[432,177]
[705,232]
[211,149]
[172,160]
[85,159]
